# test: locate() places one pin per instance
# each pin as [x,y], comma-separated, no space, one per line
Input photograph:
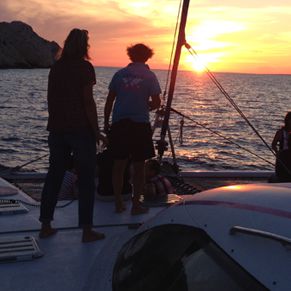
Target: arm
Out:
[282,168]
[155,102]
[275,141]
[90,108]
[108,108]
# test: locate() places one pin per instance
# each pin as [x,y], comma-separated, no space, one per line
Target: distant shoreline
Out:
[117,68]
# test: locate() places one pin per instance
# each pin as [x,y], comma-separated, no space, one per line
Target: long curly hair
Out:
[76,45]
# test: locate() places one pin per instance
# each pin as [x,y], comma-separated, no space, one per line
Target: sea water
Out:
[211,140]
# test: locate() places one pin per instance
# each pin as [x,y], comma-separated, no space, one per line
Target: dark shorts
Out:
[131,139]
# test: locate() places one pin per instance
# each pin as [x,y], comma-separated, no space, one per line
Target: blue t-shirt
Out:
[133,85]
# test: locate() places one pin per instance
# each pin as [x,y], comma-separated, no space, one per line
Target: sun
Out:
[206,39]
[203,62]
[197,64]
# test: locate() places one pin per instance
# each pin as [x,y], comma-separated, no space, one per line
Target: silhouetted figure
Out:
[73,128]
[280,140]
[134,91]
[283,164]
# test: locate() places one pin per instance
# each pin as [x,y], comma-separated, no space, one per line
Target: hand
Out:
[102,138]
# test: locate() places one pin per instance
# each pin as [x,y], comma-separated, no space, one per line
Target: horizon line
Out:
[196,73]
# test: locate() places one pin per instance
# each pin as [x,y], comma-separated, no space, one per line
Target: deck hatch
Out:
[19,249]
[8,207]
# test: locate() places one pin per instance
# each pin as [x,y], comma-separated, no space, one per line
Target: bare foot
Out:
[119,207]
[91,235]
[138,209]
[47,231]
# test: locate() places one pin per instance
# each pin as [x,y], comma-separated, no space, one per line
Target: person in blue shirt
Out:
[133,92]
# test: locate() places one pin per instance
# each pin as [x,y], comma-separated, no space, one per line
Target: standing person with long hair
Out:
[73,129]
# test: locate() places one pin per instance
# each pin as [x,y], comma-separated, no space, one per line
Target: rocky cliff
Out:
[21,47]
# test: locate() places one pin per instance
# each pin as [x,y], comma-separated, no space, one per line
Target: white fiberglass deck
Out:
[67,263]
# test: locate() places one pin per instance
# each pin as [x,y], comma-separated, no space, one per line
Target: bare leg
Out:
[117,182]
[138,188]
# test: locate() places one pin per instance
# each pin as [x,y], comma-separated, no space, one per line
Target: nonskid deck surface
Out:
[67,263]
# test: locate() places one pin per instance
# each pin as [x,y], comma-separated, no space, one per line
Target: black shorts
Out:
[131,139]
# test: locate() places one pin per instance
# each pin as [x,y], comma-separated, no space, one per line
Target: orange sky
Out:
[233,36]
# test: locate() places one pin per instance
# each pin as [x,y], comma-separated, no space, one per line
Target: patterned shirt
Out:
[133,86]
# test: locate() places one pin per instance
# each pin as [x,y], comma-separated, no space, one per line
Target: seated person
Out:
[283,164]
[156,186]
[280,140]
[104,173]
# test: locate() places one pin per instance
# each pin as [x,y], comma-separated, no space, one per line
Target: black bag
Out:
[105,165]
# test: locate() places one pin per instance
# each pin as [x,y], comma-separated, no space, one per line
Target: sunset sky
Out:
[249,36]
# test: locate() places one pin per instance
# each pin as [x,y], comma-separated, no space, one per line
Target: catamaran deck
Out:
[66,264]
[31,183]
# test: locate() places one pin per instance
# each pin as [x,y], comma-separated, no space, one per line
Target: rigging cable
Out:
[172,52]
[220,135]
[161,144]
[232,102]
[159,114]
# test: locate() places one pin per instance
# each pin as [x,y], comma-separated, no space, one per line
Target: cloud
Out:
[108,18]
[114,24]
[248,4]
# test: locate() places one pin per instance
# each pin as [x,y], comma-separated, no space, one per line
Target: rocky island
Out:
[21,47]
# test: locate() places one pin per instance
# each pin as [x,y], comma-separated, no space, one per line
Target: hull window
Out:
[178,258]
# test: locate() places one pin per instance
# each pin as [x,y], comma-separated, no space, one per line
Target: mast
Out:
[180,42]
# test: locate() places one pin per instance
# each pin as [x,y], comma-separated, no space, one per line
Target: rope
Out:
[23,165]
[220,135]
